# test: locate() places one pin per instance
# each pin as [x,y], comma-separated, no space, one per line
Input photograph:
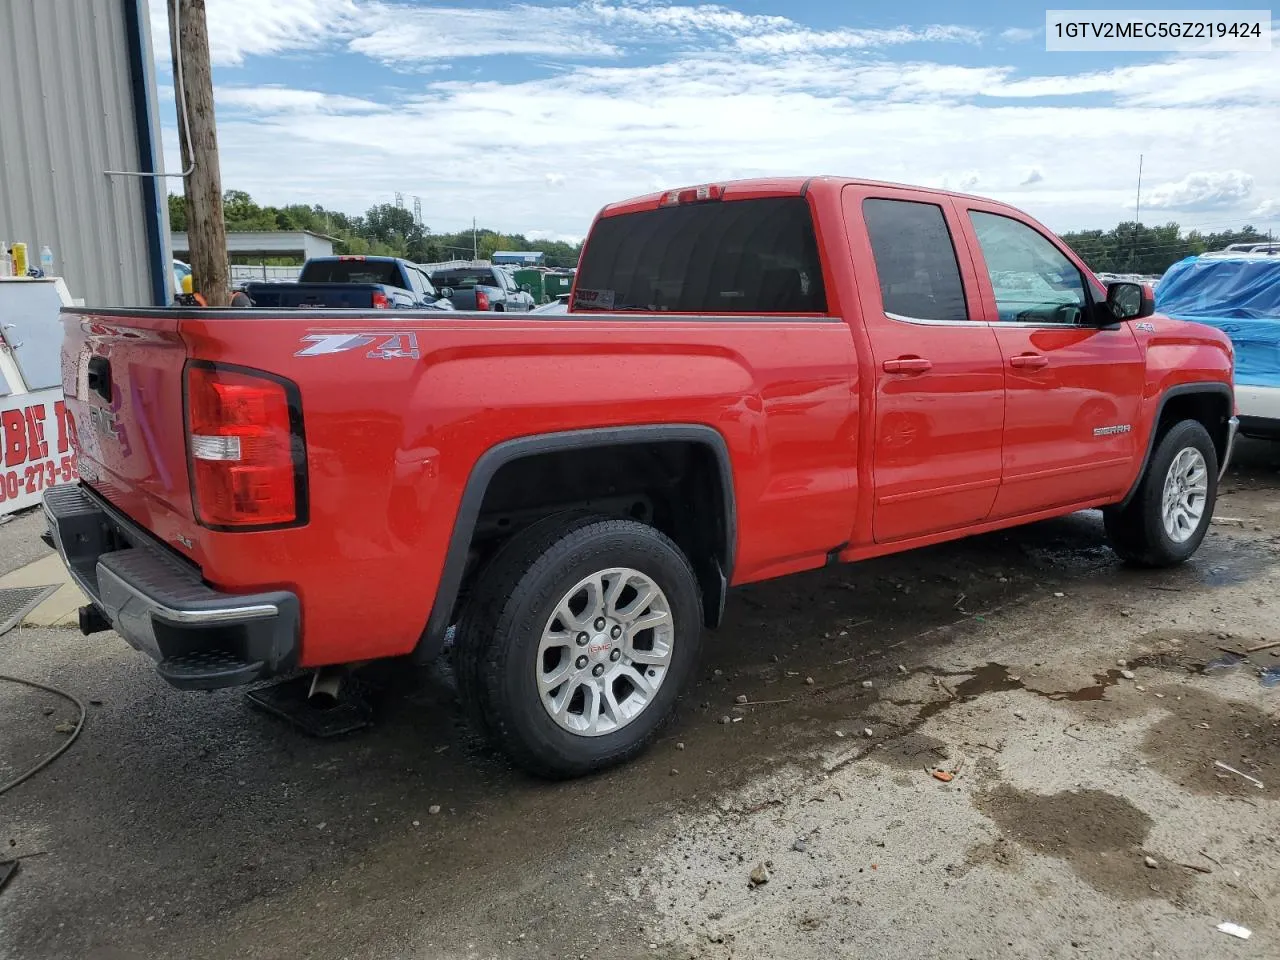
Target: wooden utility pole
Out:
[198,135]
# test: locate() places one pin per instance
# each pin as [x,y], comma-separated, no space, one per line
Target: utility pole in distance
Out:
[202,185]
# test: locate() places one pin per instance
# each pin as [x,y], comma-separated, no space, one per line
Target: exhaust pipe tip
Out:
[92,620]
[326,684]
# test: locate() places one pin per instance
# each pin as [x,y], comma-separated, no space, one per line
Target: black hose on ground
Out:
[23,778]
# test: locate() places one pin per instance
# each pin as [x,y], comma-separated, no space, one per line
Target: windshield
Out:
[352,271]
[743,256]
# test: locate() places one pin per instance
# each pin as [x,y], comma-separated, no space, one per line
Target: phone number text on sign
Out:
[38,450]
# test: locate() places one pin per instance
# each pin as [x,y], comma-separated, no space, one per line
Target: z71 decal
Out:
[387,346]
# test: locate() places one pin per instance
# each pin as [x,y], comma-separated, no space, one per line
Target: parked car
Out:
[1270,247]
[761,378]
[1239,293]
[352,283]
[180,270]
[483,288]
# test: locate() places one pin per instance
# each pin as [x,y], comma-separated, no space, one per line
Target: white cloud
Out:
[595,29]
[1269,209]
[715,94]
[276,99]
[1168,83]
[243,28]
[396,33]
[1019,34]
[1202,191]
[553,235]
[789,39]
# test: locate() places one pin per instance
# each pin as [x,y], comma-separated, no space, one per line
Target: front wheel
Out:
[578,640]
[1169,516]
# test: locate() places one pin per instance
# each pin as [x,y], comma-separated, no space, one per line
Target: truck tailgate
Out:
[122,378]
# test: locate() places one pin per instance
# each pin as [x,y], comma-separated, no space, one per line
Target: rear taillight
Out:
[482,300]
[246,449]
[380,300]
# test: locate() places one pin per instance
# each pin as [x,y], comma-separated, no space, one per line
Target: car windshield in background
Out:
[739,256]
[463,281]
[352,271]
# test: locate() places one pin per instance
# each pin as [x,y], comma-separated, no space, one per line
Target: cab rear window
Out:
[351,271]
[724,257]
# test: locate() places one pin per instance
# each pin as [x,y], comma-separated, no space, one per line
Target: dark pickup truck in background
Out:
[353,283]
[483,288]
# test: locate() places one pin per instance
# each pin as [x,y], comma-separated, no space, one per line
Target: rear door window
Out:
[915,260]
[725,257]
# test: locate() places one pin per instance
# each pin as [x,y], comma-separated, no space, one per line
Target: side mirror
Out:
[444,293]
[525,288]
[1130,301]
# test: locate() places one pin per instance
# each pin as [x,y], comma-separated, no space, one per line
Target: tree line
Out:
[384,230]
[1137,248]
[388,230]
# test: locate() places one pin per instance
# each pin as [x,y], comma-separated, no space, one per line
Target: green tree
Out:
[177,212]
[1132,247]
[383,230]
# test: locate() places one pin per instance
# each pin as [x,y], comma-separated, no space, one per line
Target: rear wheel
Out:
[578,640]
[1167,519]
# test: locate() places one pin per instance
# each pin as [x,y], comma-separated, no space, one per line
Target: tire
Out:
[576,728]
[1139,533]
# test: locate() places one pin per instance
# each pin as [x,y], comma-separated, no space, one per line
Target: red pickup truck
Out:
[752,379]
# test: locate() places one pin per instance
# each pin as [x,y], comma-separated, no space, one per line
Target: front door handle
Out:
[907,365]
[1029,361]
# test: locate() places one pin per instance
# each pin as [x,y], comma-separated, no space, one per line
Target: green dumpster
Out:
[533,280]
[557,284]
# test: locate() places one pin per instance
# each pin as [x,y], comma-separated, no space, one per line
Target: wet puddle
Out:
[994,677]
[988,678]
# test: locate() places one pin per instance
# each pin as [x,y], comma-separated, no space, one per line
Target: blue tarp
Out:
[1238,295]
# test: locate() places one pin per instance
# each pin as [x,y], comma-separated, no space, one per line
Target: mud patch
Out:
[1099,834]
[1000,854]
[911,751]
[1201,727]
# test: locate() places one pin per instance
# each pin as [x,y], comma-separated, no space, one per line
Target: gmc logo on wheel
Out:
[598,648]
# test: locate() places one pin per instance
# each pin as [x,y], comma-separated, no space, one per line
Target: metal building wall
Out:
[77,98]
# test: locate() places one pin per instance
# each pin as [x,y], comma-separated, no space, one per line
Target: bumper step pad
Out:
[208,670]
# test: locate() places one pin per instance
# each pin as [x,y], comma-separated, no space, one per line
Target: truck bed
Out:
[398,408]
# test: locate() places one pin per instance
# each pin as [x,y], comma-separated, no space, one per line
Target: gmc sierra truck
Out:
[752,379]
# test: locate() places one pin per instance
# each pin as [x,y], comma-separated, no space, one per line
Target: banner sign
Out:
[36,433]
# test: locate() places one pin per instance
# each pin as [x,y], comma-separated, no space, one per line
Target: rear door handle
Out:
[1029,361]
[907,365]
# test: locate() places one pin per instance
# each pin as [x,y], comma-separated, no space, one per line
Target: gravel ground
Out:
[20,541]
[189,825]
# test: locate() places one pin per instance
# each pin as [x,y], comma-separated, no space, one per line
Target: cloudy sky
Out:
[531,115]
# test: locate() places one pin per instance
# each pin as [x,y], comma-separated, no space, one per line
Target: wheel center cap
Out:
[599,647]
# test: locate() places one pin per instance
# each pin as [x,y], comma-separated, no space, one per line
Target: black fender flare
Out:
[714,582]
[1181,390]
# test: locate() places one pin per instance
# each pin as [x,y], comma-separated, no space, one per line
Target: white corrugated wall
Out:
[70,93]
